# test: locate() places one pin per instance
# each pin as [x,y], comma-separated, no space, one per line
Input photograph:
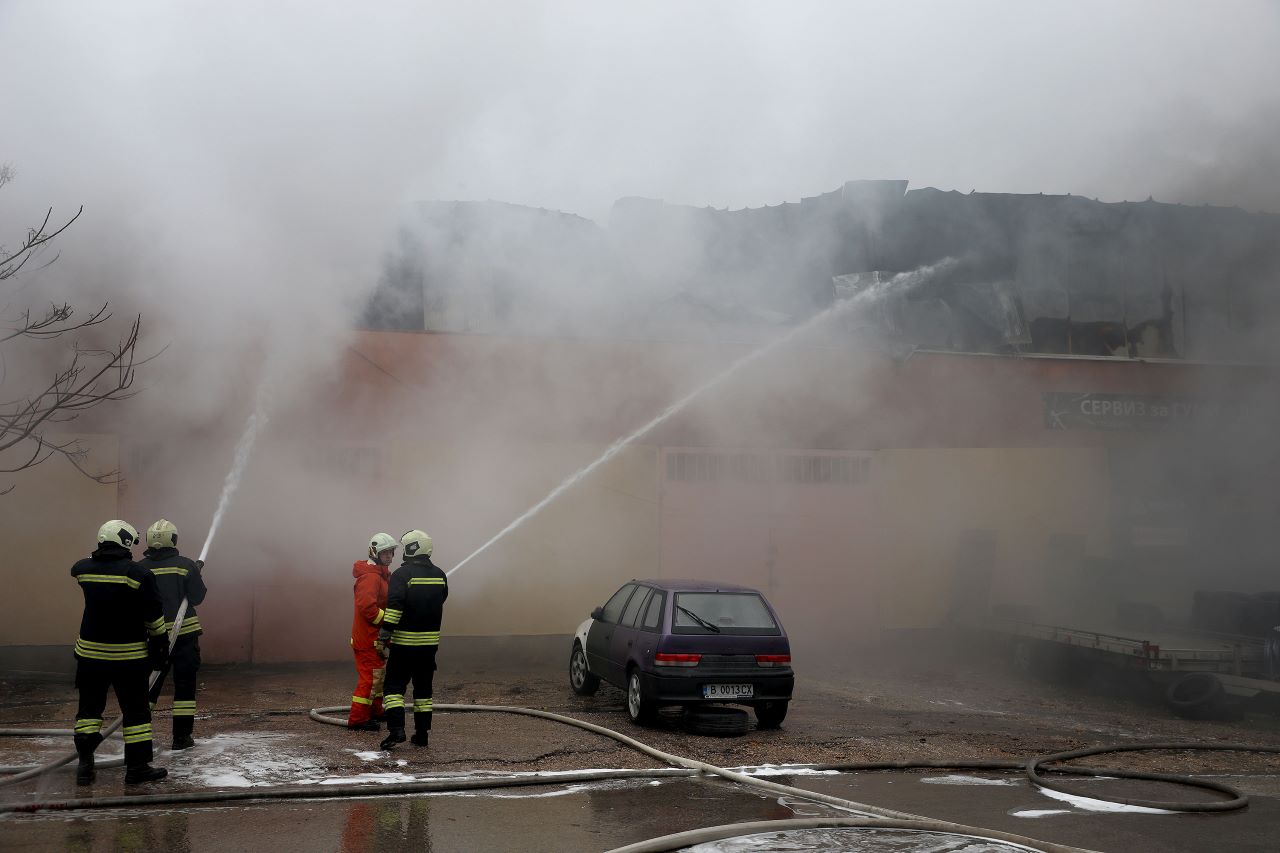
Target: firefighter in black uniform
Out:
[121,639]
[177,578]
[411,635]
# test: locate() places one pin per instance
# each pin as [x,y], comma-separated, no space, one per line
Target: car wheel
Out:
[769,715]
[580,678]
[640,708]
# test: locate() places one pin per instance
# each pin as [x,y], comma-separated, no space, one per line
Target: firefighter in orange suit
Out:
[371,600]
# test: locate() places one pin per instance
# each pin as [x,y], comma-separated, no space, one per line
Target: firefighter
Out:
[371,600]
[177,578]
[411,634]
[121,640]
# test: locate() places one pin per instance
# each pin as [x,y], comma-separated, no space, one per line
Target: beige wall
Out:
[928,499]
[47,522]
[896,535]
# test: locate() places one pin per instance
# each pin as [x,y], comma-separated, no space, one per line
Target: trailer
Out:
[1202,673]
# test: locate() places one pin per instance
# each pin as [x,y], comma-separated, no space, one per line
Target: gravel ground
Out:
[253,729]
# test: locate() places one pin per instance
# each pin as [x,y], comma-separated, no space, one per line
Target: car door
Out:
[624,635]
[600,637]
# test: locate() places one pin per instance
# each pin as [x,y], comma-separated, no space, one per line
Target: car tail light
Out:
[773,660]
[672,659]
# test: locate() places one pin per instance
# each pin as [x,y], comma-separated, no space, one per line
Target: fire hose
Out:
[41,769]
[868,816]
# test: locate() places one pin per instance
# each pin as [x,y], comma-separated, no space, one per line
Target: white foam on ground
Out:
[1088,804]
[959,779]
[369,756]
[782,770]
[1039,812]
[242,760]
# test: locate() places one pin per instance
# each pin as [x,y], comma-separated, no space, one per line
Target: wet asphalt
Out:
[593,817]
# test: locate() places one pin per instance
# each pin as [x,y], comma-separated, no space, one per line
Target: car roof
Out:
[684,585]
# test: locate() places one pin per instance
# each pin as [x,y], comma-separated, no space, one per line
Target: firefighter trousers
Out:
[407,664]
[185,663]
[129,680]
[366,701]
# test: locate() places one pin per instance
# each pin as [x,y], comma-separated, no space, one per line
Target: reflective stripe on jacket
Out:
[121,606]
[415,603]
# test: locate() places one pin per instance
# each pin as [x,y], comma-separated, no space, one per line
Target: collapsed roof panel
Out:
[1032,273]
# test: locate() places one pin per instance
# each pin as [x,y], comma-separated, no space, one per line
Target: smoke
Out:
[251,175]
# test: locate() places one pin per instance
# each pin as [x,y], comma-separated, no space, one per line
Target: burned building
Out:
[1035,274]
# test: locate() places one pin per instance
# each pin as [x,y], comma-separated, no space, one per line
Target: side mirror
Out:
[598,613]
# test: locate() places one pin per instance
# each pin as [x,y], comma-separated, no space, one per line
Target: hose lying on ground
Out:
[905,819]
[39,733]
[1033,768]
[683,767]
[883,818]
[320,792]
[1238,801]
[112,727]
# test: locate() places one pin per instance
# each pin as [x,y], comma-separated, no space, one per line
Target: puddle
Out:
[854,841]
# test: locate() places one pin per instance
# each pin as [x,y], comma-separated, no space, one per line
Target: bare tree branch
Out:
[85,377]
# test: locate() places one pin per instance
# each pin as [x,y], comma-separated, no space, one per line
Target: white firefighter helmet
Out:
[416,544]
[379,543]
[162,534]
[118,532]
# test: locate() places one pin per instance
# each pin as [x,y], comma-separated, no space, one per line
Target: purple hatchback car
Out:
[677,642]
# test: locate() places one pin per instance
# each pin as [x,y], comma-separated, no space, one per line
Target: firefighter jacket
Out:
[415,603]
[121,606]
[371,601]
[176,578]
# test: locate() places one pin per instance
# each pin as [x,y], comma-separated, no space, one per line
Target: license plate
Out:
[727,691]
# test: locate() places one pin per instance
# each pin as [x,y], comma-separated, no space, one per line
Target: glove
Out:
[380,644]
[158,652]
[200,564]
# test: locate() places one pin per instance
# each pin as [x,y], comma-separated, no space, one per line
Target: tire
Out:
[769,715]
[717,721]
[582,682]
[1196,696]
[640,708]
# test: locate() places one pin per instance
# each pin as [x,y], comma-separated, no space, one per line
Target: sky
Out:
[173,107]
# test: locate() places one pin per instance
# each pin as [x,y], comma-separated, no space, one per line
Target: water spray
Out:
[901,281]
[257,420]
[244,447]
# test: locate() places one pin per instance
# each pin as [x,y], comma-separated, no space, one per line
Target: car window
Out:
[722,613]
[613,609]
[633,607]
[653,614]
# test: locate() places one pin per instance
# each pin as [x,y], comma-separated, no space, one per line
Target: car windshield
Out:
[722,613]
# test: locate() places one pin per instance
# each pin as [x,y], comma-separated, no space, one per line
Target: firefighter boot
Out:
[394,736]
[84,770]
[144,773]
[183,726]
[85,745]
[366,726]
[419,738]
